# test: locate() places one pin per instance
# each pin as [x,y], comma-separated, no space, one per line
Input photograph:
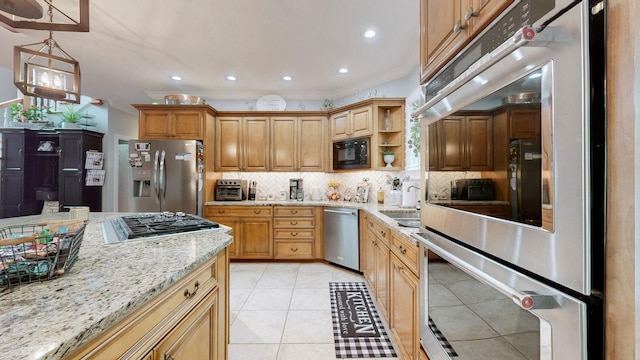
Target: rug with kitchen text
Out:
[357,328]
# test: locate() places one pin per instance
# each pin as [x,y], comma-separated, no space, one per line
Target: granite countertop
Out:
[47,320]
[373,208]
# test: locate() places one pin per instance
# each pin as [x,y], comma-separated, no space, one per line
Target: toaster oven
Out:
[475,189]
[230,190]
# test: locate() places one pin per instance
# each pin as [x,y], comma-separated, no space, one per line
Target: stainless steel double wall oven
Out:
[503,287]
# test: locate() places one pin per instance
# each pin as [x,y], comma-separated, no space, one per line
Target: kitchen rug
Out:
[358,330]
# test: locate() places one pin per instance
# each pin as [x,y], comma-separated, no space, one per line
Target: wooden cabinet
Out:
[352,123]
[295,232]
[390,120]
[465,143]
[404,309]
[391,266]
[189,320]
[298,143]
[241,143]
[522,120]
[171,123]
[376,269]
[252,229]
[447,26]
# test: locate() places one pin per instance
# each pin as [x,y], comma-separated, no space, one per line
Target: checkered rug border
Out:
[441,339]
[359,347]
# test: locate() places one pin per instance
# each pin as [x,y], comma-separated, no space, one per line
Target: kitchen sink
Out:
[402,215]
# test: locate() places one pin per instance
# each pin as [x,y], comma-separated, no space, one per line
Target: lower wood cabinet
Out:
[252,229]
[296,232]
[189,320]
[404,309]
[390,264]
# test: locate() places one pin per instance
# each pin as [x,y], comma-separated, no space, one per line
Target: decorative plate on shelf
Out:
[271,103]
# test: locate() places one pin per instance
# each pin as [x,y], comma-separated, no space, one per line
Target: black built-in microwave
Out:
[351,154]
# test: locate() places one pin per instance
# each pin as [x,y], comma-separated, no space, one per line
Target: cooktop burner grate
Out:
[152,224]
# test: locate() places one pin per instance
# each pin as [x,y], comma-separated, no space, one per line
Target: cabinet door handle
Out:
[294,211]
[220,211]
[188,294]
[294,223]
[294,249]
[257,211]
[294,234]
[470,13]
[458,26]
[384,234]
[402,250]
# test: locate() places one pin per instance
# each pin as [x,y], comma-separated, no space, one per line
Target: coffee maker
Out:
[295,190]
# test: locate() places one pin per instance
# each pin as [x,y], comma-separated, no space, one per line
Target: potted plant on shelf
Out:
[70,117]
[388,157]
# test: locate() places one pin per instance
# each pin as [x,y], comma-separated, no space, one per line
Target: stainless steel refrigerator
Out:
[525,187]
[166,175]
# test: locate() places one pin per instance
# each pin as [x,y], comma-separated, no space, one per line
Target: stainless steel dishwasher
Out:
[341,244]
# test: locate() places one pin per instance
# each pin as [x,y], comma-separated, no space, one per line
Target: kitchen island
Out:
[105,287]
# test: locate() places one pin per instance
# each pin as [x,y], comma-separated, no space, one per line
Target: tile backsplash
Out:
[272,183]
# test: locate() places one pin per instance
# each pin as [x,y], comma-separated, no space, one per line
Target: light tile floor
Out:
[282,311]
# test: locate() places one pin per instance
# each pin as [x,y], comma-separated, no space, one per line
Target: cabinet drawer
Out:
[407,252]
[291,234]
[293,249]
[378,229]
[211,211]
[296,211]
[293,223]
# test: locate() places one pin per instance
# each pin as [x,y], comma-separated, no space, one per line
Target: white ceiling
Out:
[133,47]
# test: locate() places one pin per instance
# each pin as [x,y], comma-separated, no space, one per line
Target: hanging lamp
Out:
[45,70]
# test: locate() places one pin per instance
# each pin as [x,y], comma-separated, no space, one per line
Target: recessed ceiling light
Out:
[287,78]
[343,70]
[176,77]
[369,34]
[231,78]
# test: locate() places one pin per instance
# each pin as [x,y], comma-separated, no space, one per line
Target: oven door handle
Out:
[526,36]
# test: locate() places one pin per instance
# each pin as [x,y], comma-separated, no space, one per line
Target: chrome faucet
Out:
[412,187]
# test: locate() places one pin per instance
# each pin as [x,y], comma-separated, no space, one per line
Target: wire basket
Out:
[33,253]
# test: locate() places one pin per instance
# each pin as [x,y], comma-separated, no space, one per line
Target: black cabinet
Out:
[46,165]
[72,190]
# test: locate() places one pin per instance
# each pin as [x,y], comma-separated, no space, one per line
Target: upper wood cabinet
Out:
[465,143]
[447,26]
[352,123]
[241,143]
[298,143]
[523,120]
[171,123]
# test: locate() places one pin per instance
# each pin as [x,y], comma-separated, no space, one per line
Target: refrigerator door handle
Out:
[156,182]
[163,175]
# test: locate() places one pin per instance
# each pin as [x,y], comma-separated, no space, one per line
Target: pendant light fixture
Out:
[24,14]
[44,70]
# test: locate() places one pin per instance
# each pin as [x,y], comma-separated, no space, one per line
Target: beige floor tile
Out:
[283,266]
[268,299]
[308,327]
[258,327]
[272,279]
[307,352]
[242,279]
[315,267]
[310,299]
[314,280]
[253,351]
[237,297]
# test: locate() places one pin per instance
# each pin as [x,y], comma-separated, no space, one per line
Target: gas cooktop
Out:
[146,225]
